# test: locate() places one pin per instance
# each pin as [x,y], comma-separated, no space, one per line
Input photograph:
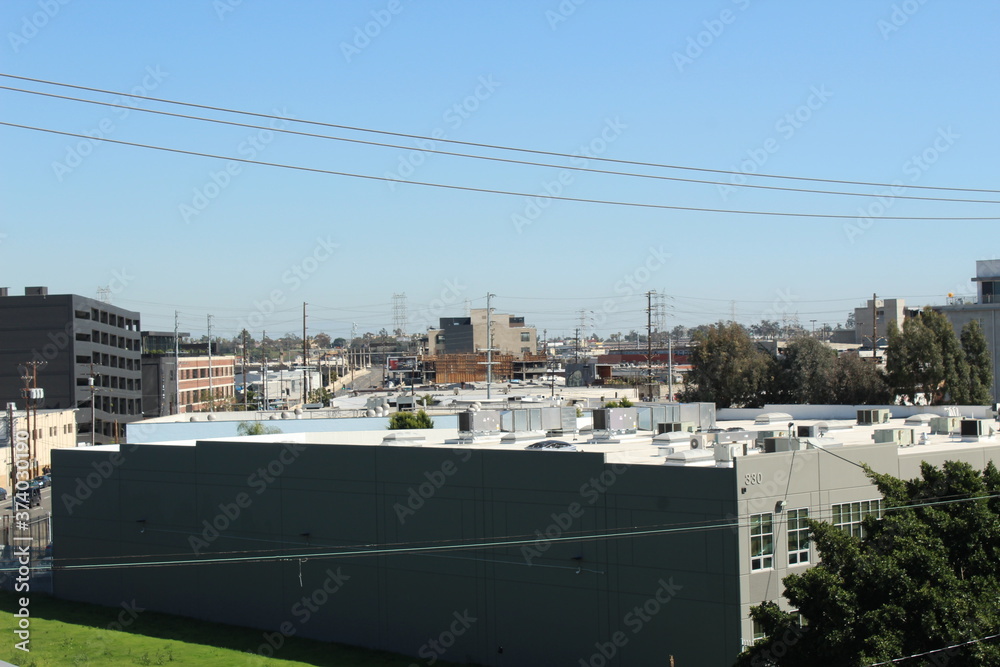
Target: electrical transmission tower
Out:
[399,324]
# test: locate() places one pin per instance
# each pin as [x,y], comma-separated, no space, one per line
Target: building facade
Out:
[72,340]
[620,554]
[54,429]
[468,335]
[874,319]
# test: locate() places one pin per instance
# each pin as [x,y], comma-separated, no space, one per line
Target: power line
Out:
[467,188]
[491,158]
[728,523]
[499,147]
[937,650]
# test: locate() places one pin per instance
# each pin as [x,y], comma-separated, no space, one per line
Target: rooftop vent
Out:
[36,291]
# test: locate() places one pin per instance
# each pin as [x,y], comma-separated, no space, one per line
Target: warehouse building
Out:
[641,541]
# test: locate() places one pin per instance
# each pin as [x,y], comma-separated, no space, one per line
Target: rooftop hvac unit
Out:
[899,436]
[772,445]
[700,440]
[673,427]
[601,420]
[616,419]
[945,425]
[816,430]
[974,428]
[464,421]
[483,421]
[724,455]
[875,416]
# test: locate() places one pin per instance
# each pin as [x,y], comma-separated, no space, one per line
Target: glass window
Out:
[761,541]
[850,516]
[798,537]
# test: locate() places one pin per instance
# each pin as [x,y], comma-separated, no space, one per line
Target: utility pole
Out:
[11,428]
[305,357]
[649,342]
[874,328]
[246,386]
[670,366]
[350,350]
[211,369]
[177,367]
[263,367]
[489,344]
[577,342]
[32,395]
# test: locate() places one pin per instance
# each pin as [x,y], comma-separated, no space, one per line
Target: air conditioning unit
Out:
[876,416]
[601,421]
[700,440]
[974,428]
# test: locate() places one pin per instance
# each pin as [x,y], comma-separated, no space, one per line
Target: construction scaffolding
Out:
[450,368]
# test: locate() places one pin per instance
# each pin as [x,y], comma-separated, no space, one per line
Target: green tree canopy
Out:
[256,428]
[926,359]
[858,381]
[922,578]
[410,420]
[806,374]
[623,403]
[977,354]
[727,368]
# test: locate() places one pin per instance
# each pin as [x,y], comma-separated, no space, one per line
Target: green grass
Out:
[73,634]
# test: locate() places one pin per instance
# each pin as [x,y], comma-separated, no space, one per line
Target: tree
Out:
[857,381]
[766,329]
[256,428]
[977,354]
[954,367]
[322,341]
[727,368]
[921,578]
[321,395]
[807,370]
[926,358]
[339,342]
[623,403]
[409,420]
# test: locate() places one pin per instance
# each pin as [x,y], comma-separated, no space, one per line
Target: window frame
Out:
[761,541]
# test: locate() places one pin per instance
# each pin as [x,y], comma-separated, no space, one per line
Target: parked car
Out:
[43,481]
[3,493]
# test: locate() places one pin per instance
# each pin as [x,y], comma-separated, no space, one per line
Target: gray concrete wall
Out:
[666,590]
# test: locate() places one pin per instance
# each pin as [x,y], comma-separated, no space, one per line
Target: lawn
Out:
[72,634]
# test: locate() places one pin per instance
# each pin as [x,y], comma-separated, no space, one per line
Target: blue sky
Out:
[879,92]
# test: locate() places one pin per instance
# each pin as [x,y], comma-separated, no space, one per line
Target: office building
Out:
[68,340]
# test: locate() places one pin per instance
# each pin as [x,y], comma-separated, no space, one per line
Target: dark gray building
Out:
[74,336]
[631,552]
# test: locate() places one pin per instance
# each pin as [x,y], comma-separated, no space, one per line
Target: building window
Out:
[758,631]
[798,537]
[525,336]
[851,516]
[761,541]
